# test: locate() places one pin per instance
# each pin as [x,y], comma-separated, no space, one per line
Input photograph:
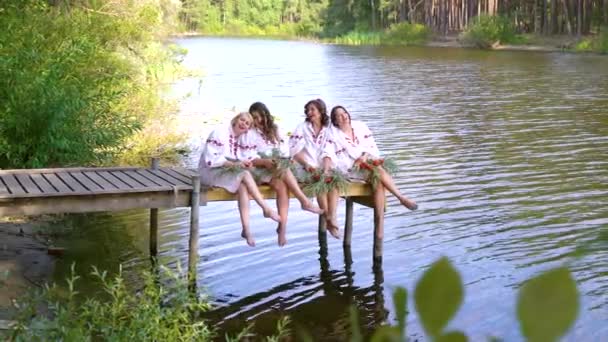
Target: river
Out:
[505,152]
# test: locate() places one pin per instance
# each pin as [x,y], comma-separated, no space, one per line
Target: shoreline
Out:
[25,262]
[551,44]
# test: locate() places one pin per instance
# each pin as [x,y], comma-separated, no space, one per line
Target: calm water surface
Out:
[505,153]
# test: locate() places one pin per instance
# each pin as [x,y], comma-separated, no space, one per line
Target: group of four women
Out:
[322,142]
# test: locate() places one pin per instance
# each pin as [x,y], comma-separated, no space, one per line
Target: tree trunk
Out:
[579,17]
[372,4]
[553,26]
[567,17]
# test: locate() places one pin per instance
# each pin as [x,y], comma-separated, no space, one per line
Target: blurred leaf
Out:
[400,300]
[548,305]
[386,333]
[438,296]
[452,336]
[354,325]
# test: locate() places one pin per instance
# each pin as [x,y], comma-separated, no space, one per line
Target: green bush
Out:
[603,40]
[397,34]
[77,83]
[484,31]
[154,313]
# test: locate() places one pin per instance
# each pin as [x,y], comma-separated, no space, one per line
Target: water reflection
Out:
[332,289]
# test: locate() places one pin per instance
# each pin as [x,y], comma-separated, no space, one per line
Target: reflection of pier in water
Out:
[318,304]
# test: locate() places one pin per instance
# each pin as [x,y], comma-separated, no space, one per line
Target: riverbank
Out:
[25,262]
[531,43]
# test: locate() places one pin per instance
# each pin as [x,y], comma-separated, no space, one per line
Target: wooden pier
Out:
[79,190]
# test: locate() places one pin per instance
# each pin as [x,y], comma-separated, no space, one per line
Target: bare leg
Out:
[243,200]
[389,184]
[283,206]
[330,216]
[253,190]
[379,202]
[292,184]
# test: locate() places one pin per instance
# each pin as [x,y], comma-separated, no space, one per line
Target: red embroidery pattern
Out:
[214,142]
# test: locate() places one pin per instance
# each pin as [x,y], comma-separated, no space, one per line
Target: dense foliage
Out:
[78,83]
[332,18]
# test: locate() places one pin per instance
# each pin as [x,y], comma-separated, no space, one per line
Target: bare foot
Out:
[272,215]
[247,236]
[332,227]
[282,238]
[312,208]
[408,203]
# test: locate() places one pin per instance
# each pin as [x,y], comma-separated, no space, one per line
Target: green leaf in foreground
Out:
[400,300]
[438,296]
[548,305]
[452,336]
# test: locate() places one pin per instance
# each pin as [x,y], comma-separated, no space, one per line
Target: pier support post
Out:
[193,240]
[154,220]
[322,228]
[379,209]
[348,222]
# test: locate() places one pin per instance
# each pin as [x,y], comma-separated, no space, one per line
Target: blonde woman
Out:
[222,150]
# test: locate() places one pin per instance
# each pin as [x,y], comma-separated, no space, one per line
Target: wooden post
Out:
[348,222]
[378,237]
[154,220]
[193,240]
[322,228]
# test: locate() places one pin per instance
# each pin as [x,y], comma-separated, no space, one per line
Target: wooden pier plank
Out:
[13,186]
[158,180]
[104,184]
[3,188]
[173,179]
[43,184]
[177,175]
[28,184]
[128,180]
[89,184]
[145,181]
[71,182]
[115,181]
[57,183]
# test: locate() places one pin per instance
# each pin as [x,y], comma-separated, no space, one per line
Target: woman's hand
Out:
[246,164]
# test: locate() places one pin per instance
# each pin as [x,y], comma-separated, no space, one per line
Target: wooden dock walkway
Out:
[79,190]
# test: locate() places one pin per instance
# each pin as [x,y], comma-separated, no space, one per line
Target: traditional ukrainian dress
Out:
[254,142]
[343,151]
[221,146]
[305,139]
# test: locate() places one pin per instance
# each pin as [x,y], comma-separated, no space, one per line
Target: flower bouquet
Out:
[280,163]
[372,168]
[317,182]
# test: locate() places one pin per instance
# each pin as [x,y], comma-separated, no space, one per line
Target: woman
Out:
[221,150]
[305,146]
[264,138]
[351,143]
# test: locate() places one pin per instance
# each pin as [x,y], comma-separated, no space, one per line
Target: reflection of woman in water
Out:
[351,143]
[265,137]
[221,150]
[305,145]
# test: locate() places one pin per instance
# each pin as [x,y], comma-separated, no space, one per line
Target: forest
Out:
[331,18]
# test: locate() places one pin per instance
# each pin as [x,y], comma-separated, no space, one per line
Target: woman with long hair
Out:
[350,144]
[263,139]
[221,150]
[305,147]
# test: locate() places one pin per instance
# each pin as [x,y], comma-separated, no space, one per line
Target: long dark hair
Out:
[321,107]
[269,128]
[334,114]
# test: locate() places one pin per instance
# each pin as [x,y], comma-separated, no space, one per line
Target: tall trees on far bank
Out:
[336,17]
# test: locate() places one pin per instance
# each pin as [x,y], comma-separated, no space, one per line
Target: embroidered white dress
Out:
[221,145]
[343,151]
[254,143]
[305,139]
